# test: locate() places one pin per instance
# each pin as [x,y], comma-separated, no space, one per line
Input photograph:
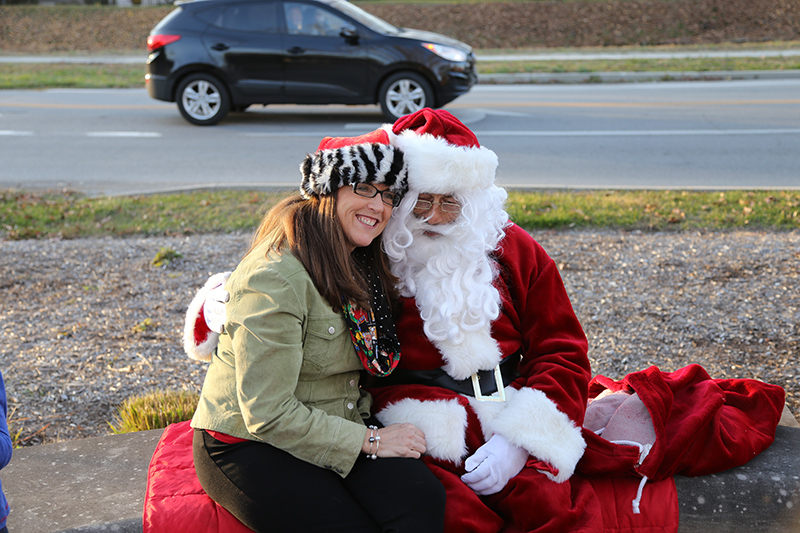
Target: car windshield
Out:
[370,21]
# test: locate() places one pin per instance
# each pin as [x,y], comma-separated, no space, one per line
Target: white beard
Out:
[451,276]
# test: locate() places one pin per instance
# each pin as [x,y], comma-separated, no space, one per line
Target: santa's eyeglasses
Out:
[367,190]
[424,206]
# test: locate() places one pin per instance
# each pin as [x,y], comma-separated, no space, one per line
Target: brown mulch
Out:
[75,339]
[482,25]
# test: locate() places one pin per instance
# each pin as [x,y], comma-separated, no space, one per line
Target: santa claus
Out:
[494,367]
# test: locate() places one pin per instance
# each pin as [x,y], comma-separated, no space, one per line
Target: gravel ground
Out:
[75,339]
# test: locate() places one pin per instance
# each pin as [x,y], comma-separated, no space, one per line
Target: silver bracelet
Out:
[374,438]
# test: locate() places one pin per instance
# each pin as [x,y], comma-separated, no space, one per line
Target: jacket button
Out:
[350,405]
[331,330]
[352,383]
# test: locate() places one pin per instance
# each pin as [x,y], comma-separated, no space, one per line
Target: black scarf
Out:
[372,330]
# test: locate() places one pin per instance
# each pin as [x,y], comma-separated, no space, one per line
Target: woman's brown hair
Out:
[310,229]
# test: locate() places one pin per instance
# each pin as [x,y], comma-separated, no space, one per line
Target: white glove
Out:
[493,464]
[214,308]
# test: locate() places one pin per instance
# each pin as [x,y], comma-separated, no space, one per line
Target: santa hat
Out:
[340,161]
[443,155]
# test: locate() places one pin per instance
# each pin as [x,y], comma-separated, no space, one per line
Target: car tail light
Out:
[154,42]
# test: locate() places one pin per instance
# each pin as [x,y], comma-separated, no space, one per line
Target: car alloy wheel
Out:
[203,100]
[404,93]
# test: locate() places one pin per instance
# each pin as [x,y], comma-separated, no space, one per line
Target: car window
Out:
[210,16]
[304,19]
[166,20]
[256,17]
[367,19]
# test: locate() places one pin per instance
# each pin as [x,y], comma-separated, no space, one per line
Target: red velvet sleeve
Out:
[554,346]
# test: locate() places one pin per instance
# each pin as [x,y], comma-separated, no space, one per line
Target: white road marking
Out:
[149,134]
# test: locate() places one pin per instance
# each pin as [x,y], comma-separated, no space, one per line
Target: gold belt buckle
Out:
[498,379]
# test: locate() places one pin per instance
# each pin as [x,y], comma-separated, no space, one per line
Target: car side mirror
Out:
[350,34]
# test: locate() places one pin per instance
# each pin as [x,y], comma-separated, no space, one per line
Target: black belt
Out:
[439,378]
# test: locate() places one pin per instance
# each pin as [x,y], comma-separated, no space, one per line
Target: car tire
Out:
[203,99]
[404,93]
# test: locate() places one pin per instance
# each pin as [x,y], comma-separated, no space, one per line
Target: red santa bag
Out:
[174,500]
[701,425]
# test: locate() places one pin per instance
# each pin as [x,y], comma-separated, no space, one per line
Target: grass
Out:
[154,410]
[45,215]
[165,256]
[657,210]
[36,215]
[640,65]
[98,76]
[69,75]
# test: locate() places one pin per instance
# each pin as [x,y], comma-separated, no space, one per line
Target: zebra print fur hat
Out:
[341,161]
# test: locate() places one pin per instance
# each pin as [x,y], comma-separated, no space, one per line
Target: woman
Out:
[280,435]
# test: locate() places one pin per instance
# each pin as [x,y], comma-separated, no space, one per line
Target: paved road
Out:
[713,135]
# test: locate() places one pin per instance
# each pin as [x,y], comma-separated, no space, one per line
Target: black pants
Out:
[269,490]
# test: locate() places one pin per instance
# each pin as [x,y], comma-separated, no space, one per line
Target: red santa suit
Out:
[543,411]
[497,313]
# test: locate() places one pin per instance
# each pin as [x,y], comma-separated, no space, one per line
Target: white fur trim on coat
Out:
[530,420]
[438,167]
[444,423]
[203,350]
[478,351]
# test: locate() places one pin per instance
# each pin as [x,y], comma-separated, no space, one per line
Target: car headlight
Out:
[449,53]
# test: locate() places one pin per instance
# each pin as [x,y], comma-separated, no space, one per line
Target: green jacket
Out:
[285,371]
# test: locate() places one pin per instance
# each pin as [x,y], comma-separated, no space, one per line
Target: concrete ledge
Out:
[98,485]
[84,485]
[761,496]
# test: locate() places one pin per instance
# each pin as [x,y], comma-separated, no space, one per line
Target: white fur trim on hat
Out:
[444,423]
[194,326]
[438,167]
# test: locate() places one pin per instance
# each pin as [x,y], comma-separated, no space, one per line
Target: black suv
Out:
[216,56]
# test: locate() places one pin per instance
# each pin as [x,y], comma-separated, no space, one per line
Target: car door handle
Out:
[296,50]
[220,47]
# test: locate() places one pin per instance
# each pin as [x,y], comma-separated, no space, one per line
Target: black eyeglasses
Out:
[424,206]
[368,190]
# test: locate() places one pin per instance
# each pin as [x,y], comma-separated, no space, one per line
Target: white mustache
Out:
[419,227]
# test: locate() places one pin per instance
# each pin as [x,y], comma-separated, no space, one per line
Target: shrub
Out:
[154,410]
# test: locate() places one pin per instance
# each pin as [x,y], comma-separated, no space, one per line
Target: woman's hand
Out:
[396,440]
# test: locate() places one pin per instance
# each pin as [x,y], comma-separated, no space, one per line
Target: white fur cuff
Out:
[444,423]
[532,421]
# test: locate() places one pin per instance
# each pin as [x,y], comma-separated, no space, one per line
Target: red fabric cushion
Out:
[174,500]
